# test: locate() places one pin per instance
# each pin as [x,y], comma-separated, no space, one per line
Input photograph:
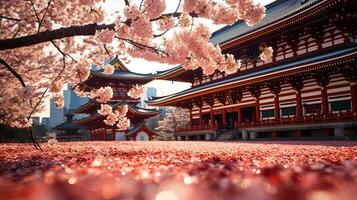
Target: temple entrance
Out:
[248,114]
[231,117]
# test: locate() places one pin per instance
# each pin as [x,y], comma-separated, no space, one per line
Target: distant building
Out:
[45,121]
[71,102]
[56,115]
[35,120]
[148,93]
[121,81]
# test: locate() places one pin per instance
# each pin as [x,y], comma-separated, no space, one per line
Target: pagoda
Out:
[307,90]
[121,81]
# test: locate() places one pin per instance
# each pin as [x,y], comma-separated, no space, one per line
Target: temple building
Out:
[68,131]
[308,89]
[121,81]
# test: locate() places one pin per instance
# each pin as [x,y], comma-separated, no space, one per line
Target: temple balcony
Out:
[317,120]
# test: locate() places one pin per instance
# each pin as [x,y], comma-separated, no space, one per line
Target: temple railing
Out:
[312,118]
[200,127]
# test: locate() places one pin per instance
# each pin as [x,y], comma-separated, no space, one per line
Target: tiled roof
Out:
[314,58]
[275,11]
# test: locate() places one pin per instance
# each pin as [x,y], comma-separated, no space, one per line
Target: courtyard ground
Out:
[323,170]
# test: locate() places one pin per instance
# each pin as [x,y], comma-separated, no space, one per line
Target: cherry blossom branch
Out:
[163,33]
[13,71]
[47,36]
[83,30]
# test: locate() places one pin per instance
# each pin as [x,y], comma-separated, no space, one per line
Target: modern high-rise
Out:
[71,102]
[148,93]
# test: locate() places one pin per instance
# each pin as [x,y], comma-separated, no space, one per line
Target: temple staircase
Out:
[227,135]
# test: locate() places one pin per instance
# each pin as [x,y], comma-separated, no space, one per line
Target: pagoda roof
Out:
[68,124]
[285,68]
[276,12]
[92,105]
[122,73]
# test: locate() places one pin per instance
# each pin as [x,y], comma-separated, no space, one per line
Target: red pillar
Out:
[298,104]
[298,133]
[324,100]
[277,107]
[257,110]
[200,117]
[224,119]
[191,119]
[211,117]
[239,115]
[354,97]
[274,135]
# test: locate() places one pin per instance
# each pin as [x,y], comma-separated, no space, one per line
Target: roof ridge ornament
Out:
[303,1]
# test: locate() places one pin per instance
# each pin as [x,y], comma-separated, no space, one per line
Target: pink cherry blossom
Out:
[122,110]
[266,53]
[106,36]
[123,123]
[108,69]
[103,94]
[136,91]
[154,8]
[141,29]
[105,109]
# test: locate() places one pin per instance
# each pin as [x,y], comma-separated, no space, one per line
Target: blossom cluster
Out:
[266,53]
[115,116]
[102,95]
[139,31]
[136,91]
[108,69]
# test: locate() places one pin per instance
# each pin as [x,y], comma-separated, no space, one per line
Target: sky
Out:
[142,66]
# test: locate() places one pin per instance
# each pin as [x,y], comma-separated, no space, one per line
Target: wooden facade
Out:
[308,89]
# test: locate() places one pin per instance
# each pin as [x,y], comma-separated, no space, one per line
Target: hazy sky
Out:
[143,66]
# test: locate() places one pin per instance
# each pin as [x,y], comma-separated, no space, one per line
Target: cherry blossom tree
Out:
[46,44]
[174,117]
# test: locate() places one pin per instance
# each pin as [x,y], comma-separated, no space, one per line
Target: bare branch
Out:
[34,10]
[63,53]
[106,49]
[178,6]
[142,46]
[9,18]
[175,14]
[163,33]
[43,16]
[13,71]
[127,2]
[141,4]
